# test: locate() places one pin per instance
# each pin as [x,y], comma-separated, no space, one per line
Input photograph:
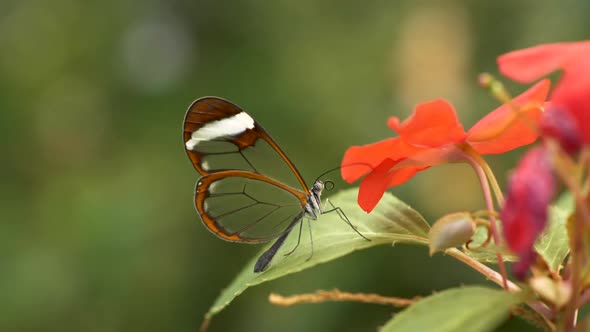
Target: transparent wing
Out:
[220,136]
[243,206]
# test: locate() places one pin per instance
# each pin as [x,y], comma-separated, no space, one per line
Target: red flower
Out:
[524,215]
[572,93]
[432,136]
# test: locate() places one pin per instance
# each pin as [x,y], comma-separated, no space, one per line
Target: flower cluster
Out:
[433,135]
[567,120]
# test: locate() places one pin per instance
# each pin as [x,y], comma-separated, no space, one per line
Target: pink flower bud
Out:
[530,190]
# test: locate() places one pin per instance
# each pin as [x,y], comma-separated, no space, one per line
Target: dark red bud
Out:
[524,215]
[558,123]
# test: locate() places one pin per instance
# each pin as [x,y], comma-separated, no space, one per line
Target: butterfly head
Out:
[318,187]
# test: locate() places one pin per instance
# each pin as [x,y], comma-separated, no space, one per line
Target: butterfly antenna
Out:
[343,166]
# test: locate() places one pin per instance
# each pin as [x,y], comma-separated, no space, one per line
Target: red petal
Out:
[376,183]
[529,64]
[360,160]
[572,92]
[403,174]
[503,129]
[424,158]
[432,124]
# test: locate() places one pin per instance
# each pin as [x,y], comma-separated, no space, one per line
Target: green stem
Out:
[483,180]
[488,172]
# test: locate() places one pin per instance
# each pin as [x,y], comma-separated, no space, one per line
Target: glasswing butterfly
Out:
[239,197]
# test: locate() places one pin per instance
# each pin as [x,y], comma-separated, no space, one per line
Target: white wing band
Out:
[227,127]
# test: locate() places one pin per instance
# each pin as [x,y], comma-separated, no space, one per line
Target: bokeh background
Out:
[98,231]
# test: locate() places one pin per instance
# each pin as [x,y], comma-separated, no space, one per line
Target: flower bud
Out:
[524,215]
[450,231]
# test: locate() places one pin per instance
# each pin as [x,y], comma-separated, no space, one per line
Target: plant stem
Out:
[488,172]
[570,316]
[483,269]
[492,179]
[483,180]
[565,168]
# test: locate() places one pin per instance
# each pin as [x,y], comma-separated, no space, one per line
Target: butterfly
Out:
[239,197]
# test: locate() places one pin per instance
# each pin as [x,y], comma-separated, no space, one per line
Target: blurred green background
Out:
[98,229]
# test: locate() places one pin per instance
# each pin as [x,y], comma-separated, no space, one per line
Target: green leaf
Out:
[392,221]
[474,309]
[553,245]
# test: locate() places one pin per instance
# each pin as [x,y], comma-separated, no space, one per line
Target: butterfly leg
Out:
[298,239]
[310,238]
[342,216]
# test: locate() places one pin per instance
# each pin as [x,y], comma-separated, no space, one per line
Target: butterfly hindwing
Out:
[243,206]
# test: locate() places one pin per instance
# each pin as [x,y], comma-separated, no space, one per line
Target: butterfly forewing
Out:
[250,191]
[242,206]
[219,135]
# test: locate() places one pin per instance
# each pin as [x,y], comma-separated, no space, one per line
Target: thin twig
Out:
[335,295]
[205,325]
